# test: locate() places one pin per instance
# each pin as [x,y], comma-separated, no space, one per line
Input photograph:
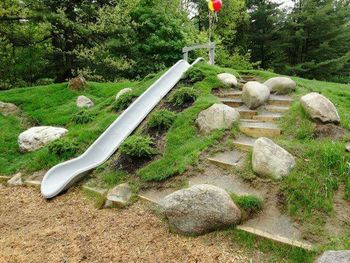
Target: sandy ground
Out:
[69,229]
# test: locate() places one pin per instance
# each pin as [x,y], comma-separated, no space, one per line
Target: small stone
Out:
[320,108]
[332,256]
[281,85]
[269,159]
[218,116]
[254,94]
[8,108]
[16,180]
[119,196]
[78,83]
[347,147]
[228,79]
[37,137]
[84,102]
[121,92]
[200,209]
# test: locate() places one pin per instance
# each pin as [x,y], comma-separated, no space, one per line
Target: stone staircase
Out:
[253,124]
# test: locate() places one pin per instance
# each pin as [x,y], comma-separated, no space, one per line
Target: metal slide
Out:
[62,176]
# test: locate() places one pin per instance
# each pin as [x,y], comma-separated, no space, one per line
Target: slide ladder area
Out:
[62,176]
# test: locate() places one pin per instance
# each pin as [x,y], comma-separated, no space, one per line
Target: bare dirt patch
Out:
[70,229]
[330,131]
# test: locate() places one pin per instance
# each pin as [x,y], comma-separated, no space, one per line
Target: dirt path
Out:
[69,229]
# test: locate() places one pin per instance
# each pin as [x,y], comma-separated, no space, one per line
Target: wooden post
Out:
[212,53]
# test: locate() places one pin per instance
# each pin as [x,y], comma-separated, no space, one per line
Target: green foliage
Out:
[124,101]
[63,148]
[83,117]
[248,203]
[138,147]
[184,95]
[194,75]
[161,120]
[113,178]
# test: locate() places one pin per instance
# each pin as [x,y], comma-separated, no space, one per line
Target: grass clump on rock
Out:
[183,96]
[249,204]
[63,148]
[161,120]
[83,117]
[123,101]
[138,147]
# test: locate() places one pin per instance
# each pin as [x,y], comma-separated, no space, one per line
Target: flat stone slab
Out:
[4,179]
[246,113]
[280,100]
[266,116]
[228,159]
[230,183]
[156,196]
[244,143]
[278,109]
[35,179]
[232,102]
[260,129]
[334,256]
[96,190]
[230,95]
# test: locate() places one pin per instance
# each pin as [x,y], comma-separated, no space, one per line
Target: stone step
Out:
[4,179]
[246,113]
[244,143]
[232,102]
[276,109]
[280,100]
[231,95]
[228,160]
[260,129]
[267,116]
[276,238]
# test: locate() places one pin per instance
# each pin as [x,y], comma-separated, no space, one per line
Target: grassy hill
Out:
[307,194]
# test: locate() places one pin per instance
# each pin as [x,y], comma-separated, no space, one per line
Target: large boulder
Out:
[347,147]
[119,196]
[320,108]
[269,159]
[332,256]
[200,209]
[37,137]
[254,94]
[77,83]
[121,92]
[8,108]
[228,79]
[281,85]
[218,116]
[84,102]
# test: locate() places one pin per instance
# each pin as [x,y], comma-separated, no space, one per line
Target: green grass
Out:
[183,142]
[55,105]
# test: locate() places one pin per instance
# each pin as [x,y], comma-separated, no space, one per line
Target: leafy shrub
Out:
[161,120]
[183,95]
[195,75]
[44,82]
[123,101]
[138,146]
[83,117]
[63,148]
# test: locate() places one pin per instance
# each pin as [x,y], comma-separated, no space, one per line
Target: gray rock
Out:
[320,108]
[8,108]
[84,102]
[37,137]
[281,85]
[347,147]
[269,159]
[218,116]
[228,79]
[121,92]
[119,196]
[16,180]
[254,94]
[200,209]
[332,256]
